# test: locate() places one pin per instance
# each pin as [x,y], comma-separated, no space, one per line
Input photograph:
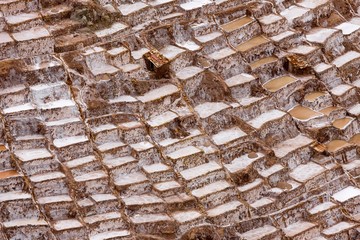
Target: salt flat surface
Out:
[211,188]
[186,216]
[188,72]
[183,152]
[222,53]
[194,4]
[347,28]
[158,93]
[304,172]
[339,227]
[266,117]
[293,12]
[283,148]
[110,235]
[127,9]
[25,222]
[33,33]
[228,135]
[223,208]
[137,219]
[32,154]
[63,142]
[116,27]
[194,172]
[346,194]
[319,35]
[347,57]
[296,228]
[207,109]
[258,233]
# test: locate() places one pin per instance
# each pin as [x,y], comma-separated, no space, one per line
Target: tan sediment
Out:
[328,110]
[8,173]
[312,96]
[256,41]
[341,123]
[277,83]
[303,113]
[355,139]
[233,25]
[252,155]
[262,61]
[335,145]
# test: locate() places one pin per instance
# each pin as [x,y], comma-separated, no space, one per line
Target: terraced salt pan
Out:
[283,148]
[312,4]
[5,38]
[304,172]
[211,188]
[293,12]
[19,108]
[207,109]
[346,194]
[239,79]
[304,113]
[158,93]
[137,219]
[127,9]
[242,162]
[25,222]
[8,173]
[339,227]
[269,19]
[236,24]
[252,43]
[208,37]
[320,35]
[110,235]
[186,216]
[194,172]
[347,57]
[223,53]
[342,123]
[296,228]
[63,142]
[223,208]
[171,52]
[348,28]
[275,84]
[33,33]
[336,145]
[188,72]
[311,97]
[228,135]
[282,35]
[322,207]
[268,116]
[183,152]
[32,154]
[195,4]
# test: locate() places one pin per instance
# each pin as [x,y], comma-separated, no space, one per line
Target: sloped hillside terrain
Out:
[179,119]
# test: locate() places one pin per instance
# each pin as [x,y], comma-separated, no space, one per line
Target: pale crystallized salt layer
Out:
[179,120]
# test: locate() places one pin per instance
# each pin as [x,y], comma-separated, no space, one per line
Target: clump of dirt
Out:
[7,65]
[333,20]
[252,155]
[91,14]
[74,62]
[284,185]
[92,98]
